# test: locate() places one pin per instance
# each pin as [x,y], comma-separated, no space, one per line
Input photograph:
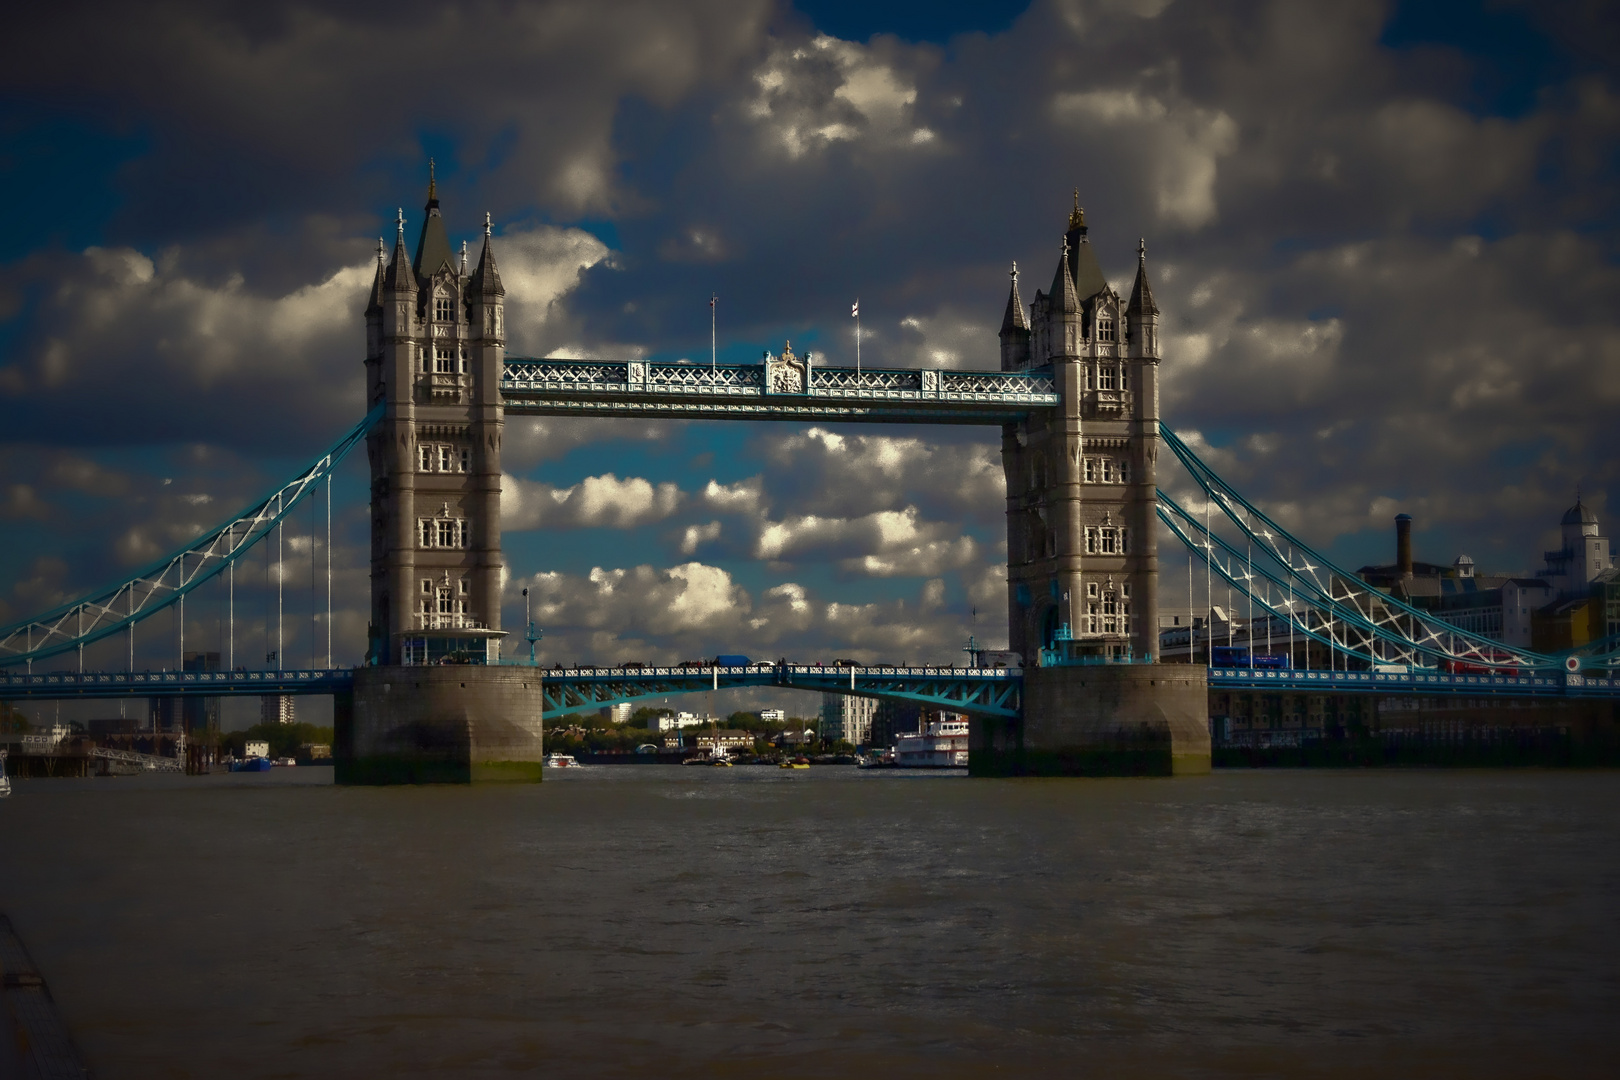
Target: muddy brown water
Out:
[655,920]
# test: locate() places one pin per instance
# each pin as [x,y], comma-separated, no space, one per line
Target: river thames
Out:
[655,920]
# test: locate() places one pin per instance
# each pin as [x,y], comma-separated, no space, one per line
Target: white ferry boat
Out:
[943,744]
[555,760]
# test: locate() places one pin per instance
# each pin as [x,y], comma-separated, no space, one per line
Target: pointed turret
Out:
[1141,294]
[1014,329]
[400,275]
[486,280]
[433,247]
[1142,314]
[1063,336]
[374,306]
[1065,299]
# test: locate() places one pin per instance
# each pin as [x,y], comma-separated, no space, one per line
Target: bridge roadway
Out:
[981,691]
[978,691]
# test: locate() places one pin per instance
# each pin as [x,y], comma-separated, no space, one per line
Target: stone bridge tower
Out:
[1082,555]
[435,339]
[433,702]
[1080,482]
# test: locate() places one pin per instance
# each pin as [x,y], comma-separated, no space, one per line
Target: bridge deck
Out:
[981,691]
[553,387]
[1418,683]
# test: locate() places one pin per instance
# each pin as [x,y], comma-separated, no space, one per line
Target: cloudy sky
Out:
[1383,237]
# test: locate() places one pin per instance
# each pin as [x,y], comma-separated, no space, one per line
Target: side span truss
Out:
[1324,601]
[120,606]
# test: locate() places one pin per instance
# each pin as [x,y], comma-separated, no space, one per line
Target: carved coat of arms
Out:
[787,374]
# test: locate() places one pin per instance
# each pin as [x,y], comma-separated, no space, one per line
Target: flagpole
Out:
[856,311]
[714,353]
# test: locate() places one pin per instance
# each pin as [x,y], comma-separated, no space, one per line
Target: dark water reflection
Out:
[755,922]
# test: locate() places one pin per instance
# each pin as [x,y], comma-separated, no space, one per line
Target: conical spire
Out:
[1014,318]
[399,274]
[1141,295]
[375,304]
[433,248]
[1065,301]
[1088,276]
[486,280]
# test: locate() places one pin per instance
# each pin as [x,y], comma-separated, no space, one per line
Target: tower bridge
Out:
[1076,396]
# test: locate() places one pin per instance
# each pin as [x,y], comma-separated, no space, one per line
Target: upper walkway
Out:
[779,388]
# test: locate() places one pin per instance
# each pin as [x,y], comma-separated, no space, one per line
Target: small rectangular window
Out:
[1091,470]
[442,309]
[466,460]
[1105,330]
[427,585]
[1125,471]
[1107,538]
[427,458]
[1091,541]
[447,533]
[1124,377]
[1091,589]
[444,458]
[427,532]
[1108,470]
[1124,541]
[1105,378]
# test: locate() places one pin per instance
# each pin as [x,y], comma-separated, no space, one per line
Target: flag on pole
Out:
[855,310]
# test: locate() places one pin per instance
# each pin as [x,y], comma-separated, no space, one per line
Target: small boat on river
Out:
[554,760]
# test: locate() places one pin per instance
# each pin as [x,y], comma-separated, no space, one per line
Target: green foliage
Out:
[12,722]
[284,739]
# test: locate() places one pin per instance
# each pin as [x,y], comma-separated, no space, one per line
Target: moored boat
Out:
[252,764]
[943,744]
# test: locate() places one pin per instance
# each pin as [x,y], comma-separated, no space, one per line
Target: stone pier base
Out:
[439,725]
[1107,720]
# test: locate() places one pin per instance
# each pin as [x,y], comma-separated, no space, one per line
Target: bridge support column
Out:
[451,724]
[1101,720]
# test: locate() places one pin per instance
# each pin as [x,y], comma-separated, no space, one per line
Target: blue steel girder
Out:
[978,691]
[1424,683]
[66,686]
[811,393]
[1390,629]
[165,582]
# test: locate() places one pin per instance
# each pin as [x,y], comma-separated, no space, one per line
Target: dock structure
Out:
[40,1045]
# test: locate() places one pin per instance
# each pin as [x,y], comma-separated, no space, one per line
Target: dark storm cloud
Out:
[1381,291]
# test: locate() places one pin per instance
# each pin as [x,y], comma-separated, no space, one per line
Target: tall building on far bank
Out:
[847,718]
[277,709]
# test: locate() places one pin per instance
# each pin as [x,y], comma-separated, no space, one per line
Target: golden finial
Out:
[1077,216]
